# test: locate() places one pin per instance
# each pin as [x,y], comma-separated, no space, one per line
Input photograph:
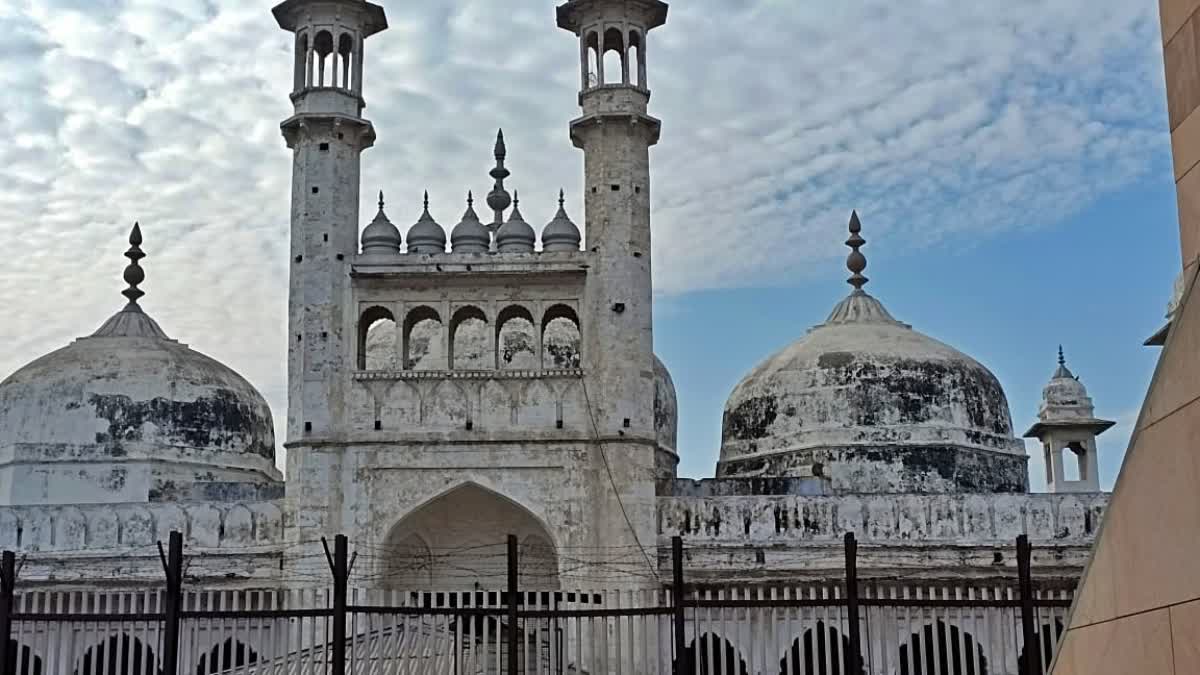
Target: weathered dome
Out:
[516,235]
[873,406]
[470,235]
[666,420]
[381,237]
[561,234]
[426,235]
[130,415]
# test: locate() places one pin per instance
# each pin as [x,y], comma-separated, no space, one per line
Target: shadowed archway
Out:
[459,540]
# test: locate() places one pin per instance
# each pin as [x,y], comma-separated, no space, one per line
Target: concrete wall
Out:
[1181,56]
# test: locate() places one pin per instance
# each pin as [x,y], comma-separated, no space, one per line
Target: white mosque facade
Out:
[450,386]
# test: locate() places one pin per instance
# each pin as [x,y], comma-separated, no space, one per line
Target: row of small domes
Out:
[470,235]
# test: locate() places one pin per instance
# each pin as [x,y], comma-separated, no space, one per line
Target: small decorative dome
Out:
[426,236]
[470,235]
[135,416]
[560,234]
[381,237]
[873,406]
[1065,402]
[516,235]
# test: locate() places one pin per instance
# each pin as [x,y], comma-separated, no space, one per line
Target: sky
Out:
[1010,161]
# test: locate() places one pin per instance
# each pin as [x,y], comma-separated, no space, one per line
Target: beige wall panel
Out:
[1185,145]
[1158,522]
[1182,74]
[1185,637]
[1188,195]
[1134,645]
[1173,14]
[1097,602]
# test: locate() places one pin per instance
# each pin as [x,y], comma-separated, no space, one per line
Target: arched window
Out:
[136,656]
[1075,462]
[345,57]
[323,47]
[823,651]
[471,341]
[716,656]
[636,61]
[301,71]
[942,651]
[593,60]
[22,660]
[423,347]
[516,340]
[225,656]
[614,58]
[560,338]
[377,340]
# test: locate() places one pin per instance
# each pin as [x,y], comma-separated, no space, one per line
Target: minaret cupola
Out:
[561,234]
[516,235]
[381,237]
[470,235]
[426,236]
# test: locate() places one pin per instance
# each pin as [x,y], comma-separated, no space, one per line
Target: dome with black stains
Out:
[129,415]
[873,406]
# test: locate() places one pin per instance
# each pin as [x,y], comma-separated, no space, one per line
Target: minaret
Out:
[615,133]
[1067,427]
[327,134]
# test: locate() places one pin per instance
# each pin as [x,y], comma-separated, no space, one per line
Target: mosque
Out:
[448,386]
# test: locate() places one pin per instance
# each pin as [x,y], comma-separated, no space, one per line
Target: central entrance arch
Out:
[459,541]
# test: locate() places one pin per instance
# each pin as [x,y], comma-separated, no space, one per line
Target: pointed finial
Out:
[1062,360]
[561,197]
[470,199]
[134,274]
[500,151]
[856,262]
[381,200]
[516,198]
[427,200]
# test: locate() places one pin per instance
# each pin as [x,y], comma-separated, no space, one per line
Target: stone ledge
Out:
[368,375]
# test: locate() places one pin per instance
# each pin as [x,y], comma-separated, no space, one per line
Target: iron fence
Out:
[843,627]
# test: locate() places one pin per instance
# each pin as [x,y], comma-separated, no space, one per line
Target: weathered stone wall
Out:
[928,536]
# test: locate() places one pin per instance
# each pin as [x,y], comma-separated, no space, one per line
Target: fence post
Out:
[513,663]
[1025,583]
[341,579]
[855,636]
[172,601]
[8,583]
[679,596]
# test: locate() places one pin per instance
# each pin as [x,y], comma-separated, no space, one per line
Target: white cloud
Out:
[937,120]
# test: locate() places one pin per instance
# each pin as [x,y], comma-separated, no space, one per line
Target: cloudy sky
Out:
[1010,160]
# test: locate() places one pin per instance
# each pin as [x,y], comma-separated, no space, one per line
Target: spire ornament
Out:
[381,201]
[856,262]
[498,199]
[134,274]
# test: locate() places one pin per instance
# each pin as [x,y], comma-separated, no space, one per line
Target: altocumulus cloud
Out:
[939,119]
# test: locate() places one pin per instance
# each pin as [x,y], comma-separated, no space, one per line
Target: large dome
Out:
[130,415]
[872,405]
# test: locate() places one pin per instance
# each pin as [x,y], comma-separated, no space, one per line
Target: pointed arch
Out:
[716,656]
[323,48]
[614,67]
[345,59]
[820,651]
[939,648]
[377,339]
[470,340]
[423,346]
[561,338]
[137,657]
[516,346]
[225,656]
[465,530]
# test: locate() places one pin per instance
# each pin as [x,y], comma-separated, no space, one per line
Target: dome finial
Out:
[427,201]
[856,262]
[381,200]
[1062,360]
[562,197]
[134,274]
[470,198]
[498,199]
